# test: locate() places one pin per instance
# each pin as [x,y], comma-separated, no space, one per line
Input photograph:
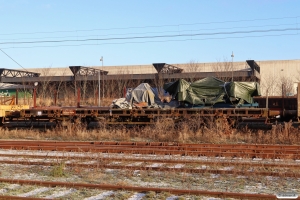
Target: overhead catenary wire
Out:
[143,33]
[152,37]
[154,26]
[13,59]
[150,41]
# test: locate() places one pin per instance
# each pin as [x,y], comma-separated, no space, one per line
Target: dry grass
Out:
[163,131]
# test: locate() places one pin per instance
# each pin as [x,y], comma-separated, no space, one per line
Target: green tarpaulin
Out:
[243,90]
[210,91]
[177,89]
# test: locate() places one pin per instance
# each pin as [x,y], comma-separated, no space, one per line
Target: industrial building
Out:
[275,77]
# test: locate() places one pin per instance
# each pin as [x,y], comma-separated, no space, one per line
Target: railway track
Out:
[164,160]
[244,172]
[152,157]
[162,165]
[157,148]
[139,189]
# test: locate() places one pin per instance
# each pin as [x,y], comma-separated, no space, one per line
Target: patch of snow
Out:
[271,178]
[34,192]
[136,173]
[115,163]
[172,198]
[214,175]
[61,193]
[227,168]
[90,162]
[9,187]
[155,165]
[135,164]
[211,198]
[137,196]
[202,167]
[100,196]
[110,170]
[177,166]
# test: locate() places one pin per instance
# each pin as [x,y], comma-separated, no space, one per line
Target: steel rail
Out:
[21,198]
[142,189]
[111,143]
[264,151]
[242,154]
[162,169]
[154,144]
[158,160]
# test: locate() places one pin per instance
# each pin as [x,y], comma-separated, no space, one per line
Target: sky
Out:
[62,33]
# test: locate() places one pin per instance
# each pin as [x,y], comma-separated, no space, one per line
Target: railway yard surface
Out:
[141,170]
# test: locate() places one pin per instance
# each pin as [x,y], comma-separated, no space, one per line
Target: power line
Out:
[152,37]
[13,59]
[141,33]
[152,41]
[158,26]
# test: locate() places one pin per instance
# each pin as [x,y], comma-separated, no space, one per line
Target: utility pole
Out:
[102,78]
[99,84]
[232,66]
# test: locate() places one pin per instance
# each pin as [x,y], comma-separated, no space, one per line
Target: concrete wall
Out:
[274,73]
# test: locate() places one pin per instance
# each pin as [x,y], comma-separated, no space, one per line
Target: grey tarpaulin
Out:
[143,93]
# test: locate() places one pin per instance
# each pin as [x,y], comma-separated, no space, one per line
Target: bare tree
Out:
[269,84]
[220,67]
[286,85]
[45,87]
[192,66]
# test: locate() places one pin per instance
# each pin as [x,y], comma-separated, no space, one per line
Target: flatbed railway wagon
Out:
[143,116]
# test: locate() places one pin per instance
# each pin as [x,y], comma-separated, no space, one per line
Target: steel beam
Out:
[86,71]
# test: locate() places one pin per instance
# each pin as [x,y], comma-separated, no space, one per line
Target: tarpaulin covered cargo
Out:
[209,90]
[143,93]
[243,90]
[178,89]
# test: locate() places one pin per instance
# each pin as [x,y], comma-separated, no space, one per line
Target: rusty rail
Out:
[162,169]
[141,189]
[216,150]
[21,198]
[159,160]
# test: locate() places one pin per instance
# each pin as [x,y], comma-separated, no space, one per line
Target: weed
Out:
[150,195]
[58,170]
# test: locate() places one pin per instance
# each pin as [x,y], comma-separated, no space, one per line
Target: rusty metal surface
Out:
[86,71]
[141,189]
[244,172]
[17,73]
[166,68]
[131,116]
[181,160]
[212,150]
[16,198]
